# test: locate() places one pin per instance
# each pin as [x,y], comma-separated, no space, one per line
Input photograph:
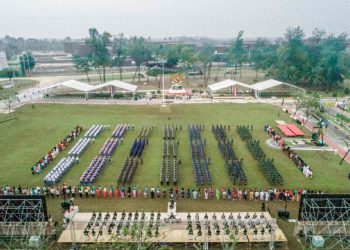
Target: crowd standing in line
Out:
[291,154]
[43,162]
[156,192]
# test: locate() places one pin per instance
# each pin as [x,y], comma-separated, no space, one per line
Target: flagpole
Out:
[163,100]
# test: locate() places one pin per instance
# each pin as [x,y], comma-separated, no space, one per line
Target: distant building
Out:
[3,61]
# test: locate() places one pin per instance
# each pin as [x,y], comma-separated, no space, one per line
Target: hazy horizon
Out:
[220,19]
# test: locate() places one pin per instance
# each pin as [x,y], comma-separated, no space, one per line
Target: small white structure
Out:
[177,90]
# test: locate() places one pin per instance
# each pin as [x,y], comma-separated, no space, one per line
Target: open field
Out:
[25,140]
[36,130]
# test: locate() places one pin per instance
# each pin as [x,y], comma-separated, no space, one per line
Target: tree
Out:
[99,55]
[27,62]
[205,56]
[140,52]
[335,61]
[309,103]
[292,56]
[237,53]
[173,55]
[263,55]
[187,57]
[119,53]
[10,100]
[11,47]
[82,64]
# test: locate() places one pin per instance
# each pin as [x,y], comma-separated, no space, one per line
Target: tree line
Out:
[320,61]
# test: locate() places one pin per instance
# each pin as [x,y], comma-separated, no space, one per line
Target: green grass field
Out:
[36,130]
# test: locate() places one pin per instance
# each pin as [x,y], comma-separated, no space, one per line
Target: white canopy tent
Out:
[226,84]
[118,84]
[268,84]
[87,88]
[73,84]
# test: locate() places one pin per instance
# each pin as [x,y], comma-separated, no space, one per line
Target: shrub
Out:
[346,91]
[9,73]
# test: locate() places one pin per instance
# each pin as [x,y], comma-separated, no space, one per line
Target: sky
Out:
[171,18]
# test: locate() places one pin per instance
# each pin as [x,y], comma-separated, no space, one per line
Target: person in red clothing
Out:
[98,193]
[176,192]
[105,192]
[116,193]
[111,192]
[211,193]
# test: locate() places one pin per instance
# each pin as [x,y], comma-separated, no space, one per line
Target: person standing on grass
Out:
[257,194]
[152,192]
[211,193]
[223,191]
[123,192]
[229,194]
[139,192]
[64,189]
[206,194]
[251,195]
[182,193]
[68,191]
[176,193]
[52,192]
[93,191]
[188,193]
[217,194]
[111,192]
[134,192]
[145,192]
[105,192]
[129,192]
[194,194]
[116,192]
[98,193]
[86,190]
[240,194]
[158,192]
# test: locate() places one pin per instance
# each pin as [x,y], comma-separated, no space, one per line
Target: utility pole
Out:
[163,99]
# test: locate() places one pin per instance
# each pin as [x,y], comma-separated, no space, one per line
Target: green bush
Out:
[9,73]
[346,91]
[335,94]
